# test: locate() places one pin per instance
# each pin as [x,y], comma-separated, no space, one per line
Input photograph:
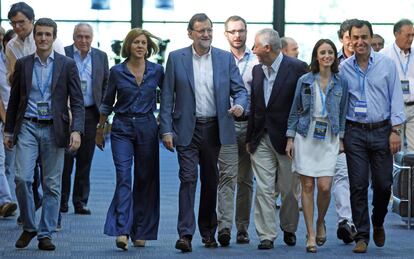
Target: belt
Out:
[36,120]
[368,126]
[242,118]
[134,115]
[90,107]
[409,103]
[205,119]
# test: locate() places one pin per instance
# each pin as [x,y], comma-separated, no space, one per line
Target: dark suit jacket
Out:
[273,117]
[65,84]
[100,73]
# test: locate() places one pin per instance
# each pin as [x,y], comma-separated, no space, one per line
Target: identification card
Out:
[405,85]
[43,111]
[321,128]
[83,86]
[361,109]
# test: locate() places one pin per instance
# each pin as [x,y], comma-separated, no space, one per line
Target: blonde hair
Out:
[152,46]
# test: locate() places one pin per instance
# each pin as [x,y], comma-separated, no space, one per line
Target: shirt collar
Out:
[400,51]
[76,50]
[29,38]
[49,59]
[276,63]
[371,59]
[198,56]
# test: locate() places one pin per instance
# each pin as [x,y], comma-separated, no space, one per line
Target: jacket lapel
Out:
[57,68]
[187,60]
[94,60]
[29,74]
[282,73]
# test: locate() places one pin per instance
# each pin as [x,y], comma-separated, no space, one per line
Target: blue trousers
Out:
[135,209]
[368,150]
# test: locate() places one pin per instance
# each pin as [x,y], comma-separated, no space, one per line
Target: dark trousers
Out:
[203,150]
[368,150]
[135,209]
[84,156]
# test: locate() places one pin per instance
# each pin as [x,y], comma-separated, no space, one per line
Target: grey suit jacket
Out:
[100,72]
[65,84]
[178,107]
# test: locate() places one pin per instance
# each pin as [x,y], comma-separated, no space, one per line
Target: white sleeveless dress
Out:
[315,157]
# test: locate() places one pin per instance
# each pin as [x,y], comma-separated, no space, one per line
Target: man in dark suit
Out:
[38,123]
[93,73]
[197,118]
[273,88]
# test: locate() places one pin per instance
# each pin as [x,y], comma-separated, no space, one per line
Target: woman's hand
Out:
[289,148]
[341,146]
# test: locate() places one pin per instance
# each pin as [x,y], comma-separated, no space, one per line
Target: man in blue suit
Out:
[93,73]
[197,118]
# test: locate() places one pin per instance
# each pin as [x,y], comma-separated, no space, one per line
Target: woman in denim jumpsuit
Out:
[315,130]
[134,212]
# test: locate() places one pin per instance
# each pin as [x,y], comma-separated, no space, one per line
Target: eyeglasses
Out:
[240,32]
[18,23]
[209,31]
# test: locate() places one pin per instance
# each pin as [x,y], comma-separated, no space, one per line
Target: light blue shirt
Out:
[41,85]
[85,75]
[270,76]
[379,86]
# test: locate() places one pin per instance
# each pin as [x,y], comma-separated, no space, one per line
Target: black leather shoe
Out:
[184,244]
[209,242]
[344,232]
[289,238]
[243,237]
[83,211]
[25,238]
[265,244]
[224,237]
[46,244]
[64,208]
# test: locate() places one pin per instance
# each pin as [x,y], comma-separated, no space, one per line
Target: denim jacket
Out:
[303,105]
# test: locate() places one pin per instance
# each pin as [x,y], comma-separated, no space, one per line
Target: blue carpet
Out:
[82,236]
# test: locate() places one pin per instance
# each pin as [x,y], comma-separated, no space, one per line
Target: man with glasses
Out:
[196,117]
[234,161]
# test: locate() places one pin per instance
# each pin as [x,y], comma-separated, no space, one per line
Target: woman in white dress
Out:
[315,131]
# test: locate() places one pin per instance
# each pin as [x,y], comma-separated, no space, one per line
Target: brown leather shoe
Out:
[184,244]
[360,247]
[379,236]
[25,238]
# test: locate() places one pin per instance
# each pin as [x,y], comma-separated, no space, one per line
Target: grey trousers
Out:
[270,169]
[235,170]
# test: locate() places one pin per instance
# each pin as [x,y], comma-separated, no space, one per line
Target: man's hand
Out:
[75,141]
[395,143]
[248,148]
[341,146]
[100,138]
[167,140]
[289,148]
[8,141]
[236,110]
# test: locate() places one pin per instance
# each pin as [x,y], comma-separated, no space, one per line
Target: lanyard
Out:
[43,87]
[401,63]
[323,96]
[361,78]
[82,64]
[245,65]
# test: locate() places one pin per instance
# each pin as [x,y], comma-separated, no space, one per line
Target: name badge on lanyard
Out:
[321,128]
[43,111]
[405,85]
[360,109]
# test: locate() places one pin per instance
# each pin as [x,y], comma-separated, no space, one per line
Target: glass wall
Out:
[108,24]
[309,21]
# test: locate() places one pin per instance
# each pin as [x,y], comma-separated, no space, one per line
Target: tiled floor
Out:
[82,236]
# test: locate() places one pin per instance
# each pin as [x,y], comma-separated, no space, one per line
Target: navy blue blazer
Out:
[100,72]
[178,107]
[65,85]
[273,117]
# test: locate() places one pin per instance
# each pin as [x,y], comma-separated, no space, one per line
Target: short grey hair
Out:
[270,37]
[75,30]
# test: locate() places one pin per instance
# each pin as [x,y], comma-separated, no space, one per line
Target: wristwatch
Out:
[397,131]
[100,126]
